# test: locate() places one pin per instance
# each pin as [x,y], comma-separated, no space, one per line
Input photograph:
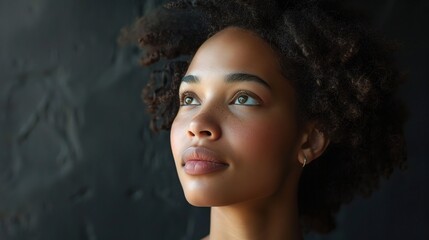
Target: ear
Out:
[313,143]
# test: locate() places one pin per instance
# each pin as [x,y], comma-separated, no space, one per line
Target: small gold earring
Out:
[305,160]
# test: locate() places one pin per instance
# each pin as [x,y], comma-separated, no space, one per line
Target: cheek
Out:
[262,151]
[176,139]
[264,137]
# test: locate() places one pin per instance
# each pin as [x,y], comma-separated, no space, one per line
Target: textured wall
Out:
[77,160]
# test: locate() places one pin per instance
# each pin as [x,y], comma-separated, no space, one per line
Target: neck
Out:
[275,217]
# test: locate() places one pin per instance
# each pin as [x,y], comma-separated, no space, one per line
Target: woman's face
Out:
[234,136]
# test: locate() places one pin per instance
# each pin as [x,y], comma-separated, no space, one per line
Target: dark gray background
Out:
[77,160]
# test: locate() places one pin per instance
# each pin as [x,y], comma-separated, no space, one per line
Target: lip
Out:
[201,160]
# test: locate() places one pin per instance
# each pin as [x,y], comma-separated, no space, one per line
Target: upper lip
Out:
[201,154]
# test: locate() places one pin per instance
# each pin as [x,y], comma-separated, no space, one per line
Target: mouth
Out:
[200,161]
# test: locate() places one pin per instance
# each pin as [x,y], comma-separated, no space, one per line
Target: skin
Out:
[255,132]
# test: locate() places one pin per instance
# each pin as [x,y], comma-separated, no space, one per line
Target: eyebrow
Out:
[231,78]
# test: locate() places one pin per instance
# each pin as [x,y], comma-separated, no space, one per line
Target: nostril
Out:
[191,134]
[207,133]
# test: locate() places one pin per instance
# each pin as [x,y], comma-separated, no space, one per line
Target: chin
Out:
[217,197]
[199,202]
[202,199]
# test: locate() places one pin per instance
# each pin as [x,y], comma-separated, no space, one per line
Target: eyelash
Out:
[238,94]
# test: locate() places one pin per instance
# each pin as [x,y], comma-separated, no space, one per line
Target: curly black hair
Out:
[345,77]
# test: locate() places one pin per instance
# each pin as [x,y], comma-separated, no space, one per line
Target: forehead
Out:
[235,50]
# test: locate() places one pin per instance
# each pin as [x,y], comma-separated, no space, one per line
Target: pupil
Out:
[242,99]
[188,100]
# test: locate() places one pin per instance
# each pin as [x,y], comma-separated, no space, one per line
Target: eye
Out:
[188,98]
[244,98]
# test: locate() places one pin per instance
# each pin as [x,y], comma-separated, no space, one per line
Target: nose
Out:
[204,126]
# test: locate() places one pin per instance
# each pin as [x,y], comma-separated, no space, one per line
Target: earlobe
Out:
[313,145]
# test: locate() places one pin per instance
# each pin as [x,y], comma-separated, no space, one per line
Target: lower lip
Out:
[195,167]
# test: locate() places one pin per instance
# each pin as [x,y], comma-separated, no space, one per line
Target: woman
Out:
[280,111]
